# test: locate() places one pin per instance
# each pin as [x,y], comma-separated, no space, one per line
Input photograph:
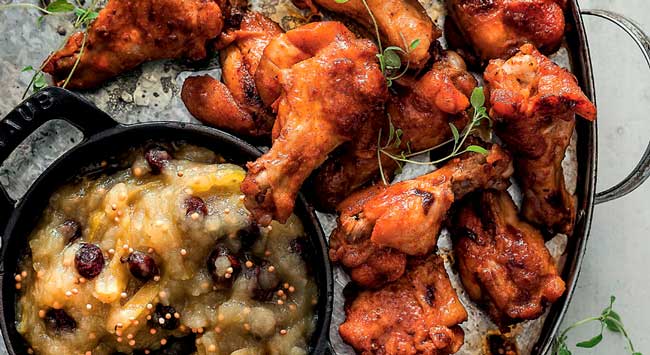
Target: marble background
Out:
[614,264]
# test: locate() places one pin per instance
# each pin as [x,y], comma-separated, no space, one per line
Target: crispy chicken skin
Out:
[418,314]
[235,104]
[400,23]
[380,225]
[290,48]
[534,102]
[128,33]
[352,166]
[497,28]
[422,110]
[324,101]
[502,260]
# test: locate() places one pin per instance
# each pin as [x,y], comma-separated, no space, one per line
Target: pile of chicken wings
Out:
[318,93]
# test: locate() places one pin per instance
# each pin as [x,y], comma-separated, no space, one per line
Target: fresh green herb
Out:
[60,6]
[38,79]
[83,18]
[390,62]
[608,319]
[26,6]
[57,7]
[76,63]
[480,114]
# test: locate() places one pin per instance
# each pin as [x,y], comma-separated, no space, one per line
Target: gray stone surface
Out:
[614,263]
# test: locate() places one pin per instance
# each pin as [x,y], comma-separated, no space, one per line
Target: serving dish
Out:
[104,140]
[586,156]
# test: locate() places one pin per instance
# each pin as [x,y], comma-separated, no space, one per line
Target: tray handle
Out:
[642,171]
[46,105]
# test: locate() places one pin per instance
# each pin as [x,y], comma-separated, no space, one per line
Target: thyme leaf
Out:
[608,319]
[458,138]
[83,18]
[60,6]
[414,44]
[390,61]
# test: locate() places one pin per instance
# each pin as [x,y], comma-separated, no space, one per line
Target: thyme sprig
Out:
[458,138]
[608,319]
[390,62]
[83,18]
[54,8]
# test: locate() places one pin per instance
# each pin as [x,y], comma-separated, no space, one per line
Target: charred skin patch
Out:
[427,199]
[468,233]
[250,90]
[555,199]
[430,295]
[480,6]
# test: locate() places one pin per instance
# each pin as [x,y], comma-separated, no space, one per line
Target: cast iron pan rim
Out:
[164,132]
[587,157]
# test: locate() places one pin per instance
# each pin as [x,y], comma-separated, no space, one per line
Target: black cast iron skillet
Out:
[104,140]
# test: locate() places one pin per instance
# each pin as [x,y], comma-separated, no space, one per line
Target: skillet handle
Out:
[328,349]
[48,104]
[642,171]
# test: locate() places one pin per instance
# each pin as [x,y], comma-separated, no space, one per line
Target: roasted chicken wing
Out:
[418,314]
[291,48]
[422,111]
[502,260]
[534,102]
[497,28]
[235,104]
[128,33]
[323,102]
[382,224]
[400,23]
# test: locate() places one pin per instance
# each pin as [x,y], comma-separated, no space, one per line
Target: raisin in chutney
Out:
[163,258]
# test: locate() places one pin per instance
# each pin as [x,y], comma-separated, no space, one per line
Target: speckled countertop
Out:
[614,263]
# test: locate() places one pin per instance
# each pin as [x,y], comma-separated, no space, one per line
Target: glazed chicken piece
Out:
[400,23]
[291,48]
[324,100]
[497,28]
[380,225]
[235,104]
[502,260]
[534,102]
[422,110]
[128,33]
[418,314]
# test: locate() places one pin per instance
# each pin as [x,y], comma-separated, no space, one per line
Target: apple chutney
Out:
[163,258]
